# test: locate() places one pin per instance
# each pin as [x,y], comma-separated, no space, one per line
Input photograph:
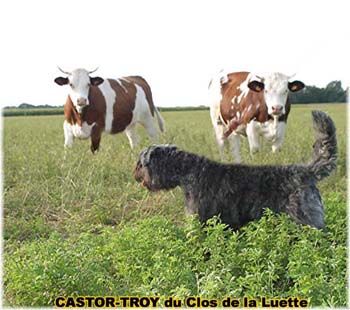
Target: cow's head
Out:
[79,82]
[276,87]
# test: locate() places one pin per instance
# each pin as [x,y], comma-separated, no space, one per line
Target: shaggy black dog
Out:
[240,193]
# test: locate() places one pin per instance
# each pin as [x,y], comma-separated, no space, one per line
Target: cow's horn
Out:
[291,76]
[65,72]
[93,70]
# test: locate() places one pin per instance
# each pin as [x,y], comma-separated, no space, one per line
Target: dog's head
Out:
[155,168]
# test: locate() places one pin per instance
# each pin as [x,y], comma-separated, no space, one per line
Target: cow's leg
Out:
[151,128]
[68,134]
[220,139]
[235,141]
[218,126]
[280,132]
[96,133]
[253,138]
[132,135]
[153,133]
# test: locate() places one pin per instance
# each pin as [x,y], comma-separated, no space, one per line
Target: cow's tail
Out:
[325,147]
[160,120]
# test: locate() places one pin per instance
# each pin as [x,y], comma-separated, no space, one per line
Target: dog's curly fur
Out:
[240,193]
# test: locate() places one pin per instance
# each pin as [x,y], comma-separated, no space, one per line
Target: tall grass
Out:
[78,224]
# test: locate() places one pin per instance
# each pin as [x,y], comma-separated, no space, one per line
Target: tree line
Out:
[333,92]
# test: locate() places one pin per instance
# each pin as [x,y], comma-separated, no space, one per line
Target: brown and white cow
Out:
[95,105]
[245,104]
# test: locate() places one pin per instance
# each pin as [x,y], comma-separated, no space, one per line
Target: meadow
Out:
[78,224]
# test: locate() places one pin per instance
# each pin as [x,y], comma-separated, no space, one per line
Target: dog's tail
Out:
[325,147]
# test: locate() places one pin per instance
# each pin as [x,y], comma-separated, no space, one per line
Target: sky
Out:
[178,46]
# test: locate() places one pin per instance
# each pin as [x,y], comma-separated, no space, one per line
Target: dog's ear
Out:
[156,153]
[159,151]
[172,147]
[144,156]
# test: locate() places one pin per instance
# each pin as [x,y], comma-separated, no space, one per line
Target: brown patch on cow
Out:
[71,115]
[123,106]
[95,112]
[96,133]
[139,80]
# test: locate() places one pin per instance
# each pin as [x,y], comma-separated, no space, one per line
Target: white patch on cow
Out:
[238,114]
[253,135]
[83,131]
[276,91]
[280,133]
[110,98]
[121,84]
[235,141]
[243,87]
[271,130]
[132,135]
[224,79]
[141,111]
[249,107]
[68,134]
[141,114]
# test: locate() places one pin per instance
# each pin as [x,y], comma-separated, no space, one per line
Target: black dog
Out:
[240,193]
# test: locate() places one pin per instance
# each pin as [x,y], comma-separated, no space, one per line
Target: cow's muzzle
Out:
[82,102]
[277,110]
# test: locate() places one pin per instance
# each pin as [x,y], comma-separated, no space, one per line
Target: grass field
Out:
[83,226]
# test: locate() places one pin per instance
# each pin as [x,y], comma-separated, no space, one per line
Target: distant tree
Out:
[333,92]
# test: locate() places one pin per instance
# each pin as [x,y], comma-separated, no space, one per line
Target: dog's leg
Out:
[305,207]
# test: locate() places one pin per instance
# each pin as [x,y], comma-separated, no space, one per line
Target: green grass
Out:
[29,112]
[59,111]
[78,224]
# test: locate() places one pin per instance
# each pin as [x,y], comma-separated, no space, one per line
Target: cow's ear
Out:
[96,80]
[256,86]
[61,81]
[295,86]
